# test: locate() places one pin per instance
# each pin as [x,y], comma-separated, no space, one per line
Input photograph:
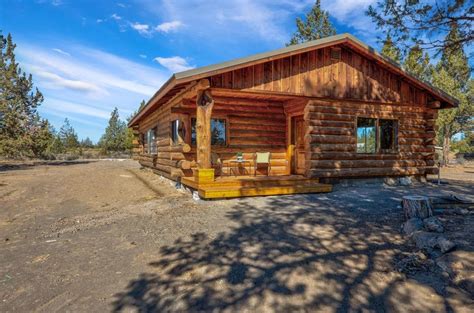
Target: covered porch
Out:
[227,129]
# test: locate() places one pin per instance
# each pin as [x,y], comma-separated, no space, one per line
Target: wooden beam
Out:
[204,105]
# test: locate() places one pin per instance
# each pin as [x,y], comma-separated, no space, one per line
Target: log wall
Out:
[331,142]
[252,126]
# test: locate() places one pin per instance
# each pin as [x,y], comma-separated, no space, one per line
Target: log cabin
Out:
[312,113]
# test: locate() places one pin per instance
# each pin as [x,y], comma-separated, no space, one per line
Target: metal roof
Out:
[205,71]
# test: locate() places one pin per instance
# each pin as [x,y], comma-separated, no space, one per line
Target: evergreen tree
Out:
[87,143]
[418,63]
[451,76]
[425,20]
[390,50]
[42,138]
[68,137]
[316,26]
[115,137]
[18,103]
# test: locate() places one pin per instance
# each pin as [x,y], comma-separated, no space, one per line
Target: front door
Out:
[297,138]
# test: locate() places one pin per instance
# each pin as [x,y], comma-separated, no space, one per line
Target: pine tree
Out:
[42,138]
[418,63]
[316,26]
[68,137]
[18,103]
[87,143]
[452,75]
[115,137]
[390,50]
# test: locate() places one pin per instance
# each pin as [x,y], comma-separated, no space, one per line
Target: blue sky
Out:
[88,57]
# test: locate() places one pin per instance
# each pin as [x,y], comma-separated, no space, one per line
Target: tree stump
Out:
[416,206]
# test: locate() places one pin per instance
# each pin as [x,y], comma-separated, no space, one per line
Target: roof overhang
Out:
[346,39]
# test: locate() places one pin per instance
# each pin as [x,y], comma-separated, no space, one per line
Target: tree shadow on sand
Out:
[294,253]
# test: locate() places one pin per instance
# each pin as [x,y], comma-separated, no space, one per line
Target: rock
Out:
[424,240]
[433,224]
[428,241]
[405,181]
[461,211]
[390,181]
[413,262]
[445,245]
[412,225]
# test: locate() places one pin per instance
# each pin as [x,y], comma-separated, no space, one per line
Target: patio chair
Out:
[216,164]
[262,159]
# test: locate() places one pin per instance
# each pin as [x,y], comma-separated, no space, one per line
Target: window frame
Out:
[378,149]
[227,137]
[180,139]
[152,149]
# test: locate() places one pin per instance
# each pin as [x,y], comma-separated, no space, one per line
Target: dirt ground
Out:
[109,236]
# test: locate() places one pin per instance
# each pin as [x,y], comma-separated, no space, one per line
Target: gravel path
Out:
[108,236]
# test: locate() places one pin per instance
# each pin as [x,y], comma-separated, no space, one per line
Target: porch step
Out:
[270,190]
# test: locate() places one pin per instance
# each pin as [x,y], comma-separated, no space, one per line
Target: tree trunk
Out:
[205,104]
[416,206]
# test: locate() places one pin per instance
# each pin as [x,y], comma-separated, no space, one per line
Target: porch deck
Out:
[250,186]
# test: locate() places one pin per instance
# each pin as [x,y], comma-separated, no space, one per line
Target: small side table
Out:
[235,165]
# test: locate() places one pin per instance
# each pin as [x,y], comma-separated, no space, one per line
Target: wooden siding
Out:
[315,74]
[331,140]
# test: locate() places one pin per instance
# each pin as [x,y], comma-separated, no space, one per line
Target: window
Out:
[376,135]
[388,135]
[366,135]
[218,132]
[151,140]
[177,131]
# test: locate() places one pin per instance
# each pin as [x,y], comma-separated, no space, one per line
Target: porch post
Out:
[204,105]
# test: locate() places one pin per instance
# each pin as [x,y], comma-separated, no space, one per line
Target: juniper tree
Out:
[68,137]
[18,104]
[452,75]
[316,26]
[115,136]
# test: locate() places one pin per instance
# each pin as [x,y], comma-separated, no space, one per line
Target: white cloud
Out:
[99,20]
[121,5]
[174,64]
[57,105]
[116,17]
[232,20]
[56,2]
[89,83]
[352,13]
[143,56]
[142,29]
[169,26]
[61,51]
[56,81]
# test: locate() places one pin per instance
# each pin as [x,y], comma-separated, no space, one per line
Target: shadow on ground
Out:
[300,253]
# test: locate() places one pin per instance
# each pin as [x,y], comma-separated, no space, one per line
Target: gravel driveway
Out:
[108,236]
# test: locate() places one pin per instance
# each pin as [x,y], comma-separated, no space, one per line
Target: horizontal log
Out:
[318,130]
[270,120]
[373,111]
[348,104]
[366,172]
[326,123]
[330,139]
[319,148]
[320,164]
[359,156]
[234,125]
[330,117]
